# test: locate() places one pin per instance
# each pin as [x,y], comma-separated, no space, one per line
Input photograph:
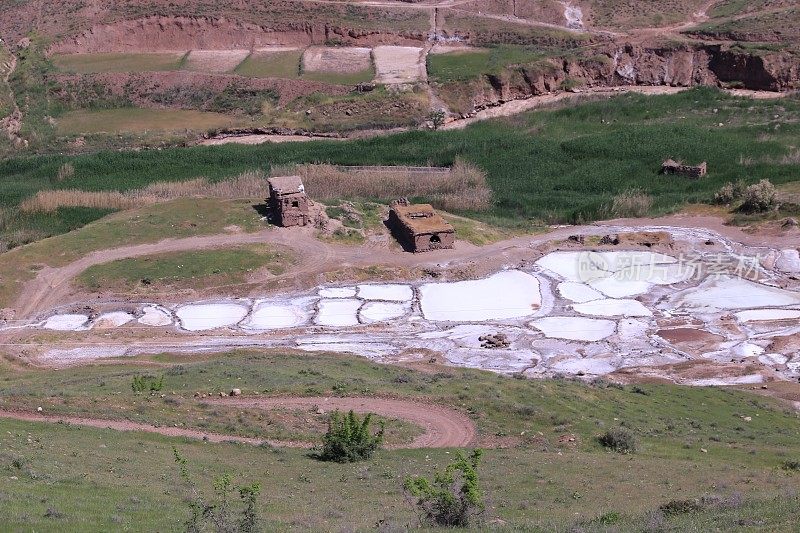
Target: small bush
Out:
[631,203]
[619,440]
[348,439]
[147,383]
[678,507]
[759,197]
[791,465]
[730,192]
[453,498]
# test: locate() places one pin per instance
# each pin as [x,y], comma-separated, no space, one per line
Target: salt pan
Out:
[201,317]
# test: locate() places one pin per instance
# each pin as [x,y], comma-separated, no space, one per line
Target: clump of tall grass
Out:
[631,203]
[246,185]
[463,187]
[65,172]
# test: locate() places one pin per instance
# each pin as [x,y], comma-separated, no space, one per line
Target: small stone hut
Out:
[419,228]
[674,168]
[288,201]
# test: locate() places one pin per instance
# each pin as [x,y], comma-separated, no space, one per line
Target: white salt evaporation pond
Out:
[201,317]
[510,294]
[730,293]
[587,313]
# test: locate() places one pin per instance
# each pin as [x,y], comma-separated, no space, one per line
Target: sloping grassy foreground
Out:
[726,446]
[562,165]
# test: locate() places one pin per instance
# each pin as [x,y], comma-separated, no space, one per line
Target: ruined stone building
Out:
[674,168]
[419,228]
[288,201]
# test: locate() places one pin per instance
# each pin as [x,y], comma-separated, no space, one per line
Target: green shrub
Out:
[349,439]
[730,192]
[791,465]
[147,383]
[453,498]
[759,197]
[619,440]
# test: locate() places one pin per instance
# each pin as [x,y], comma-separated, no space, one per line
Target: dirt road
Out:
[444,428]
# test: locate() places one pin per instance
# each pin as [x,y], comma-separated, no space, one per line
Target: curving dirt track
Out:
[444,428]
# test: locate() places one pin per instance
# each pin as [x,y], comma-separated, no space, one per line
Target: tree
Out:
[349,439]
[437,118]
[453,498]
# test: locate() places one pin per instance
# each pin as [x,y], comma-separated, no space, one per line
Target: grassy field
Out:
[90,63]
[283,64]
[729,452]
[627,14]
[354,78]
[551,166]
[180,218]
[468,65]
[185,270]
[140,120]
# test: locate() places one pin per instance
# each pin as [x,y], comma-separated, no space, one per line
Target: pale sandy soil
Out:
[337,59]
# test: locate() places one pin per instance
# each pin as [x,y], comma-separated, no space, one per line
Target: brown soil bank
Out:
[159,33]
[683,66]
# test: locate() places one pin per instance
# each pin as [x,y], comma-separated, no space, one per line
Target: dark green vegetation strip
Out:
[722,447]
[562,165]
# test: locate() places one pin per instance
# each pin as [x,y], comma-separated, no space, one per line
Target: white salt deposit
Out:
[114,319]
[274,315]
[627,266]
[584,366]
[628,308]
[337,292]
[155,316]
[773,359]
[578,292]
[758,315]
[392,293]
[727,292]
[747,349]
[67,322]
[510,294]
[788,261]
[721,382]
[575,328]
[338,313]
[615,287]
[381,311]
[201,317]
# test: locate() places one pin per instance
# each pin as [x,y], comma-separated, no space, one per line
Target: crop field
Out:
[758,27]
[278,63]
[140,120]
[130,62]
[627,14]
[735,467]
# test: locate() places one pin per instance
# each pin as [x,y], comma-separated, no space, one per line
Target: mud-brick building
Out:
[690,171]
[288,201]
[419,228]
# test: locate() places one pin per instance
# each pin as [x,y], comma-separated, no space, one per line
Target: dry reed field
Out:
[461,188]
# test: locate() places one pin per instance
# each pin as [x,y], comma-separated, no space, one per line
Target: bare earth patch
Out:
[398,64]
[215,60]
[346,60]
